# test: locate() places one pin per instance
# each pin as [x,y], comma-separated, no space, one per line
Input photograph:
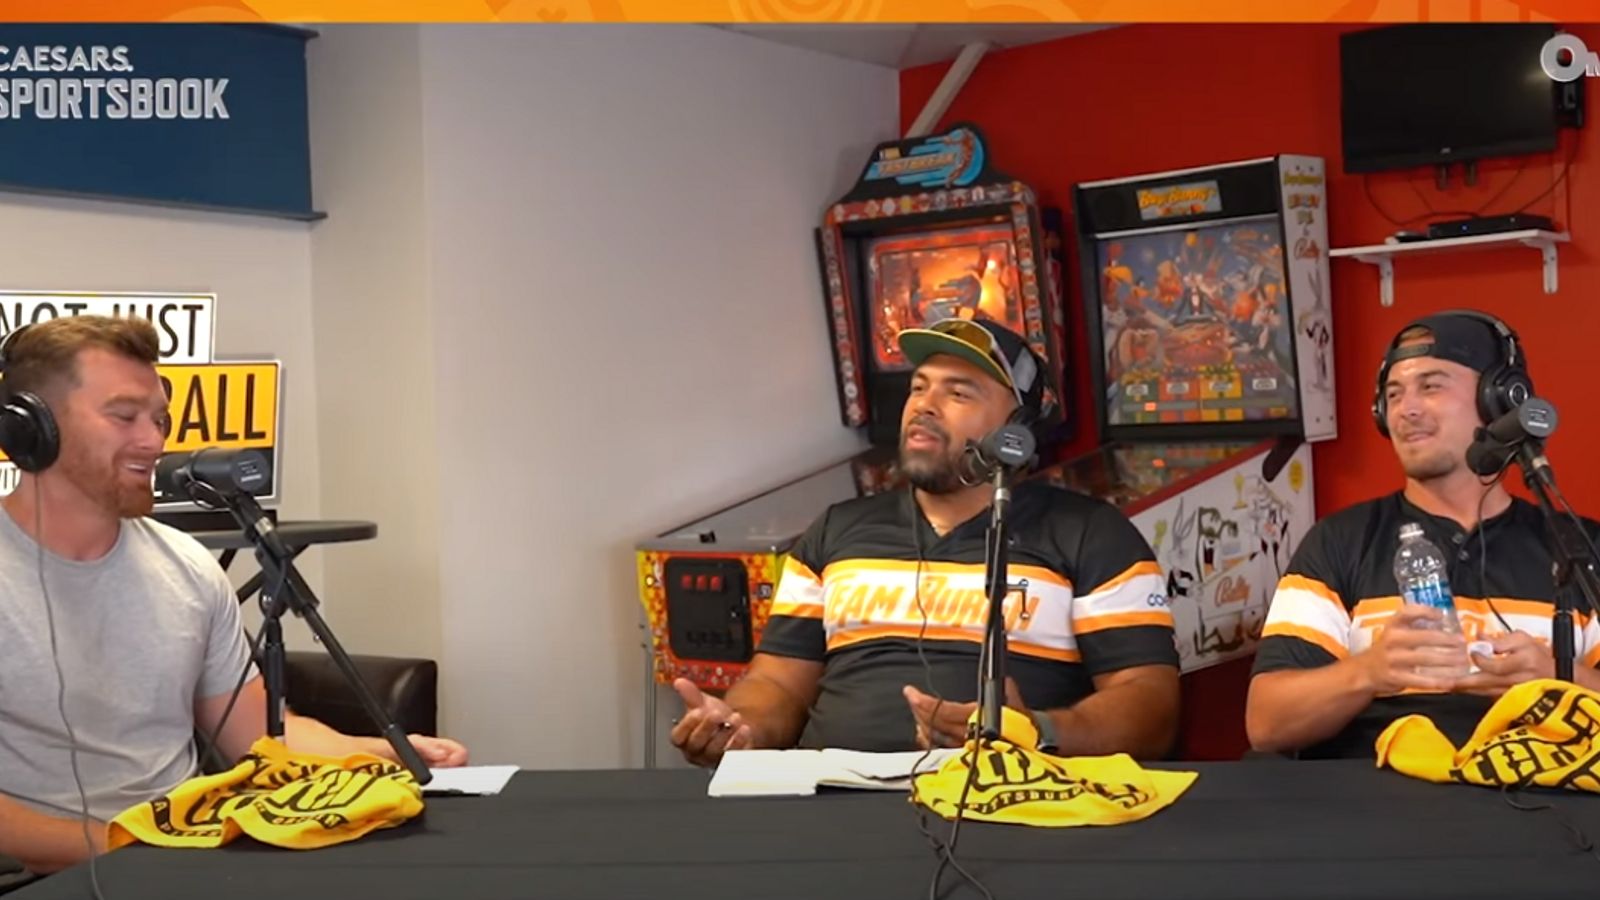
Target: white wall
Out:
[628,333]
[374,344]
[259,268]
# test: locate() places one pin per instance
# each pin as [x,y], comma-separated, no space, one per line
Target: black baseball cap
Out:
[997,350]
[1458,336]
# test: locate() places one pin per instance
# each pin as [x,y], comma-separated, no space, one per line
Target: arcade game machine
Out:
[894,258]
[1211,356]
[930,231]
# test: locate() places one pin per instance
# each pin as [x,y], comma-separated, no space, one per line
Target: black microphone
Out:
[1496,442]
[228,473]
[233,478]
[1008,447]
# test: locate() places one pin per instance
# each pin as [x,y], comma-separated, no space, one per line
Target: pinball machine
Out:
[1210,346]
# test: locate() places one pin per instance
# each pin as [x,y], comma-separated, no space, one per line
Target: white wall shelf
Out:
[1384,255]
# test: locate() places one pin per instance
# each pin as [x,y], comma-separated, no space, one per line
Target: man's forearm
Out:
[306,735]
[1292,709]
[1138,718]
[775,716]
[44,844]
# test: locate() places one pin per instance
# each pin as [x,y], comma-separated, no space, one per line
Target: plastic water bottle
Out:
[1419,570]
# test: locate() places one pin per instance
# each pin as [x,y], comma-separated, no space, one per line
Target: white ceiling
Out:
[901,46]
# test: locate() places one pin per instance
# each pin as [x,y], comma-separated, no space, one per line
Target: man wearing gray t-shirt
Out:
[121,635]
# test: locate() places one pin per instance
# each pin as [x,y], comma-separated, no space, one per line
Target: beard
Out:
[931,471]
[1429,466]
[101,482]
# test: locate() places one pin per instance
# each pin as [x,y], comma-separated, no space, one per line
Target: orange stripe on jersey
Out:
[1027,649]
[1301,582]
[1538,609]
[794,567]
[797,610]
[1485,608]
[1016,572]
[1311,635]
[941,633]
[1592,658]
[1090,624]
[1376,606]
[1146,567]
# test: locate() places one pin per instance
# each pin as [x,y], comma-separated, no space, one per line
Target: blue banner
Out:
[193,115]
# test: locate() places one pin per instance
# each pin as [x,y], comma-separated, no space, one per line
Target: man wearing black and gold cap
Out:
[1340,655]
[881,607]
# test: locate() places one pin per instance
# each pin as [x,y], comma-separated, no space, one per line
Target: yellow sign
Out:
[221,405]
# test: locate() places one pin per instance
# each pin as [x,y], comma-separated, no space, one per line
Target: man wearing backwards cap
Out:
[881,607]
[1340,656]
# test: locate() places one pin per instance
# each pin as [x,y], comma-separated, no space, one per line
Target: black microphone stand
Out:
[992,683]
[1574,558]
[284,589]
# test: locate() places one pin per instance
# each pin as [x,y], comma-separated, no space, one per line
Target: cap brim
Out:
[920,343]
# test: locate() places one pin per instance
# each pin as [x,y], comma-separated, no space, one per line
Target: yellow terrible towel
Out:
[1012,782]
[288,800]
[1543,732]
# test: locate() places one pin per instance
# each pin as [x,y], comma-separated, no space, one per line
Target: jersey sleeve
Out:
[794,626]
[1308,622]
[1588,626]
[1120,616]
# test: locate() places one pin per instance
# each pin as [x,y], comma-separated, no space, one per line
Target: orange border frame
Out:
[311,12]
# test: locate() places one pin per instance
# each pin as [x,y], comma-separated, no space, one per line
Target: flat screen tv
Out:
[1414,95]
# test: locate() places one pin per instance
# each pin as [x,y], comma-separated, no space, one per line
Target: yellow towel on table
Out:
[1016,784]
[281,798]
[1543,732]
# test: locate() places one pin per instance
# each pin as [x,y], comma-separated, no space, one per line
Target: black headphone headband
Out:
[1513,352]
[5,345]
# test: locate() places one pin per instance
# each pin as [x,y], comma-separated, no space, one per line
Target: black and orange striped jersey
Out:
[1340,588]
[871,580]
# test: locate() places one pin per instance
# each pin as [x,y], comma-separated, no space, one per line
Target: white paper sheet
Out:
[798,773]
[476,780]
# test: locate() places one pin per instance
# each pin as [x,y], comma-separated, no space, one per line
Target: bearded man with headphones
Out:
[877,623]
[1339,656]
[122,636]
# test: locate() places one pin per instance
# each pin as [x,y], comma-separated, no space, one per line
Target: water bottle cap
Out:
[1410,531]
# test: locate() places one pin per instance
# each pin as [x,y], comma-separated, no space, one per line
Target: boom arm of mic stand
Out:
[1574,561]
[297,597]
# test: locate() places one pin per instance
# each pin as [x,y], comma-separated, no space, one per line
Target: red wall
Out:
[1150,98]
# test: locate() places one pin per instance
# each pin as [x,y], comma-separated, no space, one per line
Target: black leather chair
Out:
[408,688]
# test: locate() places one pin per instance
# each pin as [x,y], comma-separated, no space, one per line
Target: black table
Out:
[1264,829]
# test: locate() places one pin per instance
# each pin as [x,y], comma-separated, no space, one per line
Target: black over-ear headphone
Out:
[28,432]
[1036,405]
[1502,387]
[1024,415]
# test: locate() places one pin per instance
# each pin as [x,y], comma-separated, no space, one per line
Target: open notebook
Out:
[798,773]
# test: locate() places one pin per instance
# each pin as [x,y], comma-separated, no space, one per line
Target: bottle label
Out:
[1429,593]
